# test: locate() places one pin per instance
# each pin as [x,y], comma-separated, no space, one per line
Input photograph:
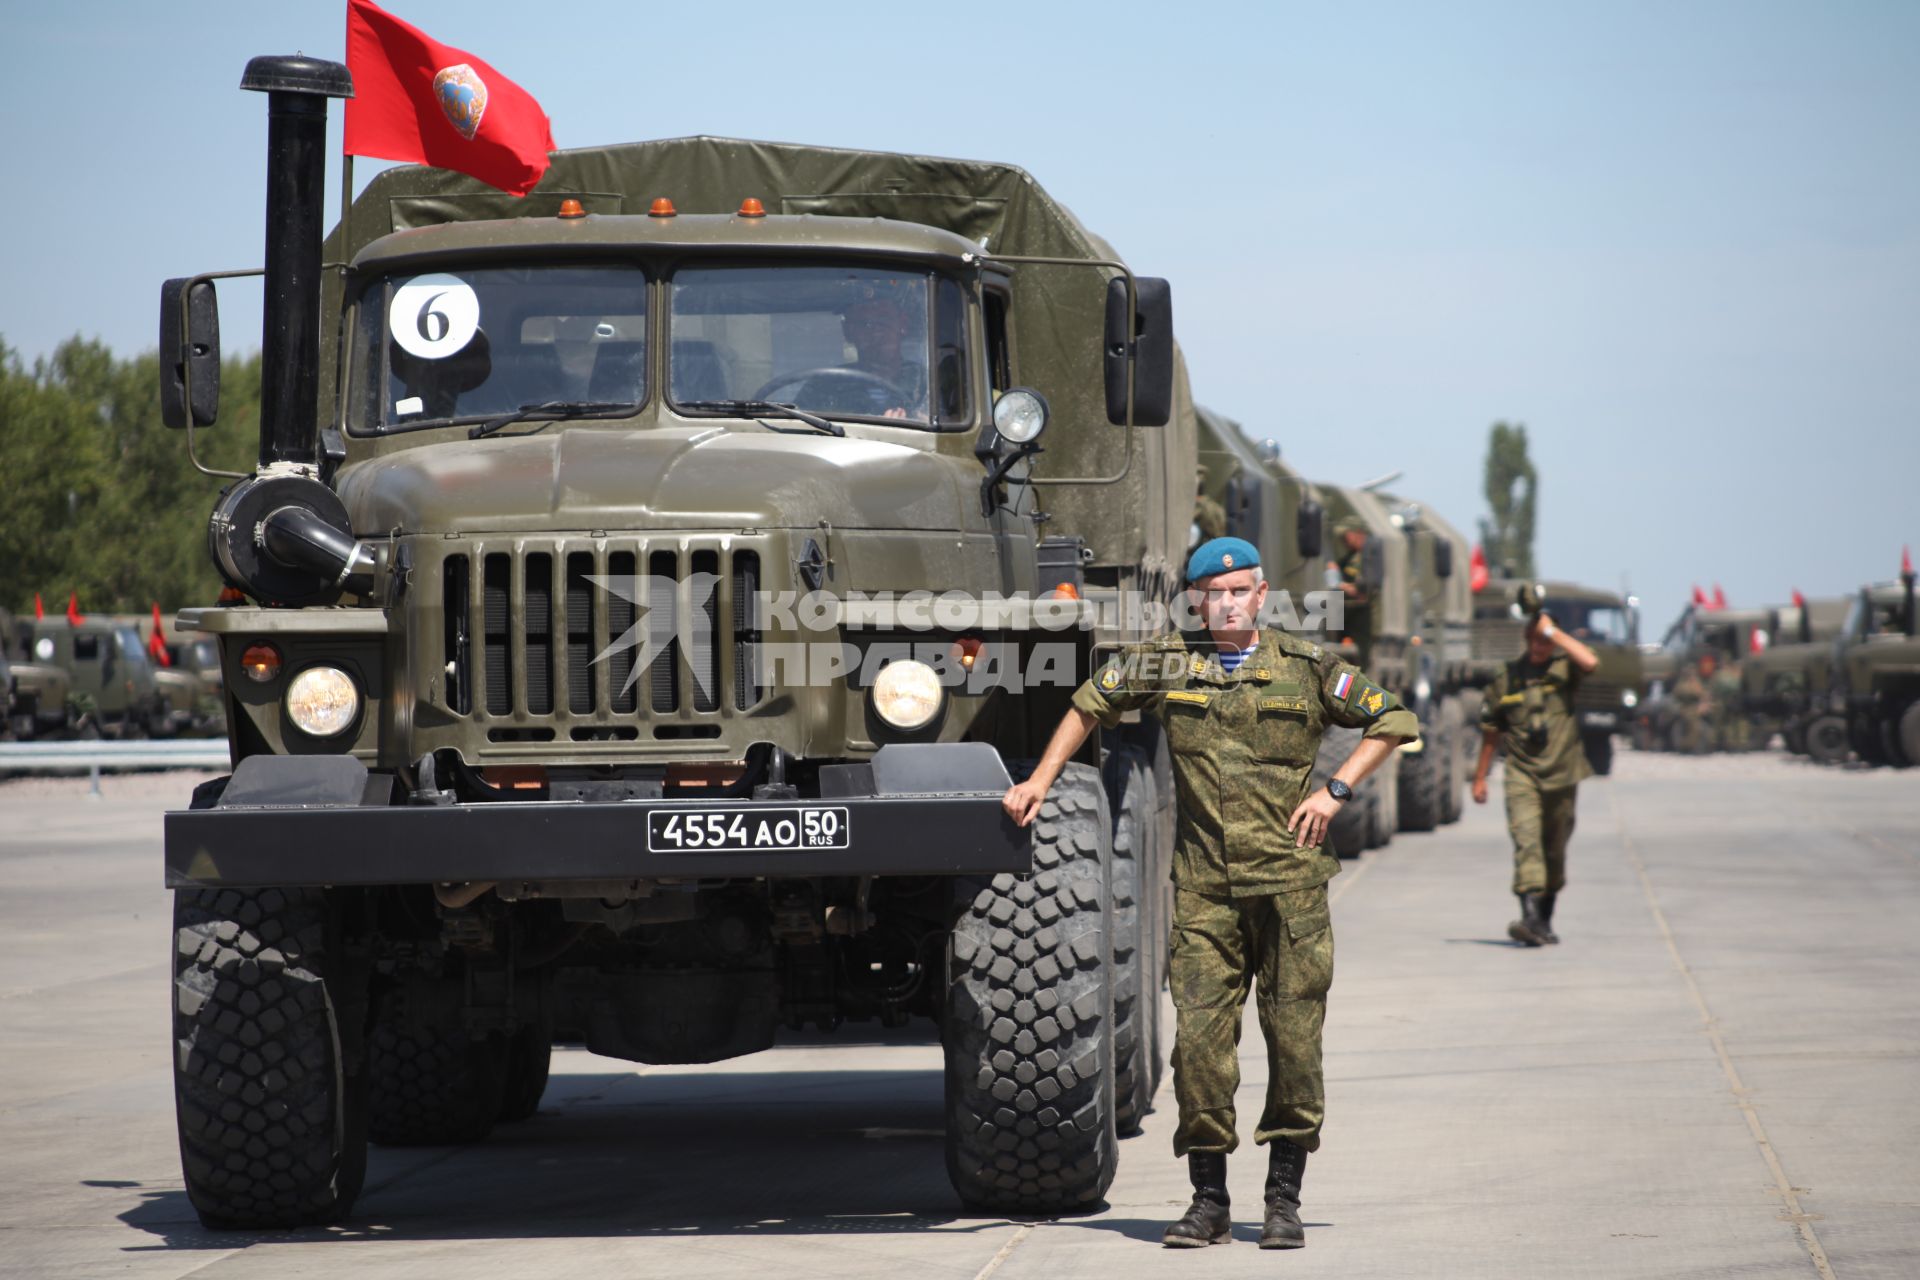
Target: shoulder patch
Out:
[1371,701]
[1110,679]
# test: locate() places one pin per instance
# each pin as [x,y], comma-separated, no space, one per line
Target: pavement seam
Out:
[1006,1251]
[1783,1186]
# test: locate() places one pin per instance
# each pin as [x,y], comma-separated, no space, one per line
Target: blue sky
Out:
[1680,241]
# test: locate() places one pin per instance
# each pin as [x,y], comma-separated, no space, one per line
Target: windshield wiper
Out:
[546,410]
[757,409]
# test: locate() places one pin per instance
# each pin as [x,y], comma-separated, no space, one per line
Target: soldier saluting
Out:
[1530,705]
[1244,711]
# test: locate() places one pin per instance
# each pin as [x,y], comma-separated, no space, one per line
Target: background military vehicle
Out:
[523,432]
[188,678]
[1876,675]
[1727,636]
[110,677]
[1780,683]
[38,696]
[1606,622]
[1439,688]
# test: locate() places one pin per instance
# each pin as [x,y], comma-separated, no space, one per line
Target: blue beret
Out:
[1221,555]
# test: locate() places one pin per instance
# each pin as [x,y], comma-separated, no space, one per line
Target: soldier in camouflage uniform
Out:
[1730,729]
[1694,703]
[1530,706]
[1244,710]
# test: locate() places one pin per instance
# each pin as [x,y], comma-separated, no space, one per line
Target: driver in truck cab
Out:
[877,325]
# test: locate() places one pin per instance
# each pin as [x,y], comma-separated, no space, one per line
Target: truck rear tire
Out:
[429,1082]
[1028,1034]
[1136,993]
[271,1115]
[1420,786]
[529,1060]
[1909,733]
[1827,739]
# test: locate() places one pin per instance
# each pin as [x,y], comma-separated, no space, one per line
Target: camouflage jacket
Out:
[1243,748]
[1532,707]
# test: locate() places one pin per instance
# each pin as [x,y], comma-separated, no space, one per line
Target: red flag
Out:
[1477,574]
[73,609]
[1757,641]
[157,642]
[1719,597]
[417,99]
[1906,561]
[39,610]
[1699,596]
[1799,601]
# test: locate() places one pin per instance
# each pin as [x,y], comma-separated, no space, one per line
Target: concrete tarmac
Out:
[1715,1075]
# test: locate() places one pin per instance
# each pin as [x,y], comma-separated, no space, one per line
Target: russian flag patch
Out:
[1344,683]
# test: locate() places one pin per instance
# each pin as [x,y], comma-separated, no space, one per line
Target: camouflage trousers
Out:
[1221,946]
[1541,823]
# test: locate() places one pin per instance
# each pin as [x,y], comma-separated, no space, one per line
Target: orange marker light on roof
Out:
[752,208]
[662,208]
[571,208]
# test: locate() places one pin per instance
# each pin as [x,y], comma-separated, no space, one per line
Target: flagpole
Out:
[346,210]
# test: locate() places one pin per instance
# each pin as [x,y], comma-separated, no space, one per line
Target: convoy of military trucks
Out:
[647,591]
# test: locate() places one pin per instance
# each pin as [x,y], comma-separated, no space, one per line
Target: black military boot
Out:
[1546,919]
[1528,929]
[1206,1220]
[1286,1166]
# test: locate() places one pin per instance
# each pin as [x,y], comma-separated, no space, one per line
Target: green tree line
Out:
[101,499]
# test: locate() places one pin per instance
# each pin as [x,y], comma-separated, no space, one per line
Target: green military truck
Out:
[109,674]
[566,701]
[1786,683]
[189,679]
[1440,670]
[1726,635]
[1875,677]
[38,696]
[1609,698]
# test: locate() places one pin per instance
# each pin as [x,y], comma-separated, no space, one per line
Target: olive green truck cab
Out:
[1785,685]
[38,697]
[1874,676]
[109,675]
[652,587]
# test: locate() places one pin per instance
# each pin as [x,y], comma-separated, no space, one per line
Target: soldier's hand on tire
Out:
[1023,800]
[1313,817]
[1479,790]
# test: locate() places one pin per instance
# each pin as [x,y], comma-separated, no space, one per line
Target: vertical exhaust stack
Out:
[281,535]
[297,89]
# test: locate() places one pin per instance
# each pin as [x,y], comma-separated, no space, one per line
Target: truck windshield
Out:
[851,342]
[1592,623]
[468,344]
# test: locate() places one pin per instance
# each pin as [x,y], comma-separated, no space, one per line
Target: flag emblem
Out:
[463,97]
[1344,683]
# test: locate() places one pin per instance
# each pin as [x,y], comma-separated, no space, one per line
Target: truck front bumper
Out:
[927,809]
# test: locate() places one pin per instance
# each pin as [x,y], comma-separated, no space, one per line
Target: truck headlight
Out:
[323,701]
[906,694]
[1628,698]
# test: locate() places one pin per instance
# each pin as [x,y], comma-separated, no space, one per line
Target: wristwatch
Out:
[1339,791]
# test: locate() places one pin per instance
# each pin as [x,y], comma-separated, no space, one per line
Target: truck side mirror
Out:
[189,342]
[1310,529]
[1373,563]
[1146,343]
[1442,558]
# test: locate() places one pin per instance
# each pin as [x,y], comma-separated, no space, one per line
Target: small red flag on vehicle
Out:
[73,609]
[39,610]
[1699,596]
[419,100]
[1719,597]
[157,642]
[1477,574]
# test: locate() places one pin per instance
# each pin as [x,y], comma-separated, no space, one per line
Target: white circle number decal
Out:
[433,317]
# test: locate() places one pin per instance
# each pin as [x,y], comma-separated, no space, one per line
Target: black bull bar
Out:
[918,809]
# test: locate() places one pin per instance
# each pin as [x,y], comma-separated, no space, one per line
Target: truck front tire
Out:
[1028,1033]
[270,1111]
[430,1082]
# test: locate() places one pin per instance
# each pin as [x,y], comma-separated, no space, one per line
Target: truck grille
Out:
[523,621]
[1596,695]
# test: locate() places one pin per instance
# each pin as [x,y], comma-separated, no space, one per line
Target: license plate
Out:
[1598,719]
[755,830]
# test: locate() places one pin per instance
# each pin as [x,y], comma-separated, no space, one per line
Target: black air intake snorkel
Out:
[281,535]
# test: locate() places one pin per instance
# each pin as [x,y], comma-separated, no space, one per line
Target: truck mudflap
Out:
[917,809]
